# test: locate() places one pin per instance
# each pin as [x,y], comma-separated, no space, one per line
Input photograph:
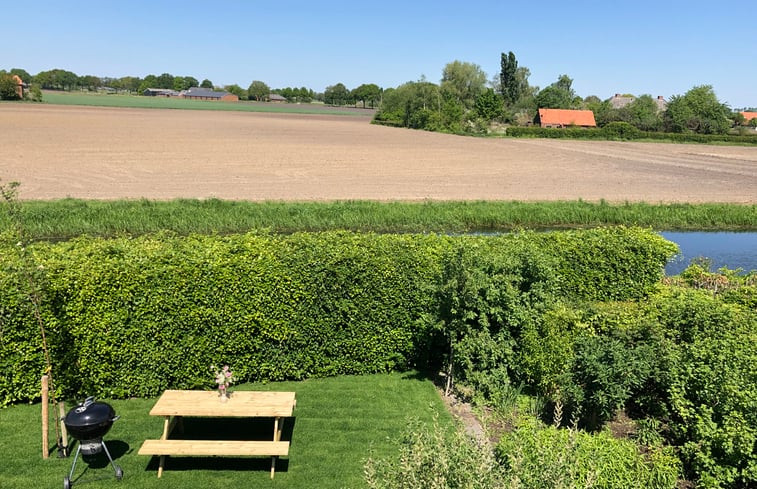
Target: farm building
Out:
[619,101]
[160,92]
[748,116]
[276,98]
[565,118]
[196,93]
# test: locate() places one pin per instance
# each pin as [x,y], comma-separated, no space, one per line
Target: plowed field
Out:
[109,153]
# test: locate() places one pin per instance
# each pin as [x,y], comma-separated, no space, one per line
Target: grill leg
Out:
[73,467]
[115,468]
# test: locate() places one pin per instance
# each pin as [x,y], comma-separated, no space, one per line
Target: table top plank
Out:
[240,404]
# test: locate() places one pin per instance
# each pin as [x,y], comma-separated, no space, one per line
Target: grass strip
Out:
[338,423]
[67,218]
[143,102]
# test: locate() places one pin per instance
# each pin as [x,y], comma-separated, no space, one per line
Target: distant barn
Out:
[160,92]
[196,93]
[566,118]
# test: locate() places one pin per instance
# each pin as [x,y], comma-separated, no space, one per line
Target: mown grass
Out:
[339,422]
[142,102]
[66,218]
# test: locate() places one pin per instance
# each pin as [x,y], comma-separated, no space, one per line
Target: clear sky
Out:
[654,47]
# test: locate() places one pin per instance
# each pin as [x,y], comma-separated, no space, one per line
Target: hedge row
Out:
[625,131]
[134,316]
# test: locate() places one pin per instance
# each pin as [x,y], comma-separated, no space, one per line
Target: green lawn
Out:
[337,422]
[138,101]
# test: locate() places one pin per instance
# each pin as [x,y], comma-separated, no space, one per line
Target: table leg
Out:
[276,437]
[164,436]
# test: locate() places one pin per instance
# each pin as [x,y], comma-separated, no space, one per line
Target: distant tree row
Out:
[464,101]
[366,95]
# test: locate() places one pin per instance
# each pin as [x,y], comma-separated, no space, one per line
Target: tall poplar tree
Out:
[509,83]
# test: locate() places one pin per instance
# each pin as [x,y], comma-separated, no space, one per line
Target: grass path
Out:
[338,422]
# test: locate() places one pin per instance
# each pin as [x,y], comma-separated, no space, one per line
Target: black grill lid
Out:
[90,413]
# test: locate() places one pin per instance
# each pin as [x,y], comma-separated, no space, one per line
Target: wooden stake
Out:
[63,432]
[45,417]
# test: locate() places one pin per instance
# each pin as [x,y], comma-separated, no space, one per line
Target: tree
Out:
[643,113]
[463,82]
[179,83]
[699,110]
[559,95]
[90,82]
[413,104]
[258,90]
[21,73]
[150,81]
[489,105]
[206,84]
[336,94]
[57,79]
[130,83]
[236,90]
[510,85]
[190,81]
[367,93]
[552,97]
[8,87]
[165,80]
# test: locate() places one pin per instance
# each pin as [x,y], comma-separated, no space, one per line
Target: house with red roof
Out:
[566,118]
[748,116]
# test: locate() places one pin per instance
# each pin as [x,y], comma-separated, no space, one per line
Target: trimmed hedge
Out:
[134,316]
[625,131]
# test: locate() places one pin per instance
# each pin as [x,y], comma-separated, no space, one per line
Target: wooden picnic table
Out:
[174,405]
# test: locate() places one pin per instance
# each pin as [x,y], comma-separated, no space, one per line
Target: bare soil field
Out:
[110,153]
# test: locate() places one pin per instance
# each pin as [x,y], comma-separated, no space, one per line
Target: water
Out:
[724,249]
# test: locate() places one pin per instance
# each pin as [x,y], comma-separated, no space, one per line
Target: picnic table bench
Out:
[174,405]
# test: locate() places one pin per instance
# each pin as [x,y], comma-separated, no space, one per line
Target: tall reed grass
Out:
[67,218]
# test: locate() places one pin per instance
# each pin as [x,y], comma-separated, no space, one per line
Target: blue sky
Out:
[659,48]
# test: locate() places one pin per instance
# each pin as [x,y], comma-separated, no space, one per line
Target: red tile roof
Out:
[748,116]
[565,117]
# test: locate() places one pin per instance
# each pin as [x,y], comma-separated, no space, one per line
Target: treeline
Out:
[465,101]
[365,95]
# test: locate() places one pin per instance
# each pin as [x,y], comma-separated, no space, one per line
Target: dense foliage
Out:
[133,316]
[625,131]
[540,456]
[580,318]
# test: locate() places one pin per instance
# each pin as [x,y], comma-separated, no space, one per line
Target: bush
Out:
[713,386]
[430,458]
[609,264]
[537,456]
[620,130]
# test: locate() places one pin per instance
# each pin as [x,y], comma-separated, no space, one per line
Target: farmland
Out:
[61,151]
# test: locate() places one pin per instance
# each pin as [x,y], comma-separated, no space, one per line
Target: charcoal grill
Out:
[88,422]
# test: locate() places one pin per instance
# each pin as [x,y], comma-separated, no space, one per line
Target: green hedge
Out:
[622,130]
[134,316]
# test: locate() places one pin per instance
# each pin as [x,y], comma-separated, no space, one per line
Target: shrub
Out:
[620,130]
[713,386]
[612,264]
[430,458]
[537,456]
